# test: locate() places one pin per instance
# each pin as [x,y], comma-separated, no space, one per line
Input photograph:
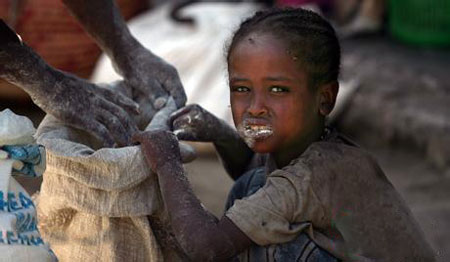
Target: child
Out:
[323,199]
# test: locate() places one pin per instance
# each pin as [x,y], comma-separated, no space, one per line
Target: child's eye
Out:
[278,89]
[240,89]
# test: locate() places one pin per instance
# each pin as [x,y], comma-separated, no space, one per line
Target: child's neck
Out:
[285,156]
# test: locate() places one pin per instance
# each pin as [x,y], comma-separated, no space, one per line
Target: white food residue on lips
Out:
[252,132]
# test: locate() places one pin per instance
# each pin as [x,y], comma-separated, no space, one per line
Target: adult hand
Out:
[194,123]
[95,109]
[159,147]
[153,77]
[143,70]
[68,98]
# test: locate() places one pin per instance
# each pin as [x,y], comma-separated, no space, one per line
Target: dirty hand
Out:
[194,123]
[95,109]
[70,99]
[160,147]
[154,77]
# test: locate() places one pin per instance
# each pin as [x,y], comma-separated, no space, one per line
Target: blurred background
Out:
[395,82]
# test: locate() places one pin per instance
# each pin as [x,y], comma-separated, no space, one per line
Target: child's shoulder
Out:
[334,149]
[338,157]
[337,170]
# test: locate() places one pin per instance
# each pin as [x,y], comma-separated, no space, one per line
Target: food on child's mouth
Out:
[257,132]
[252,132]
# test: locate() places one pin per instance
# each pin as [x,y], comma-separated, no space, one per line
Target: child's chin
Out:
[261,147]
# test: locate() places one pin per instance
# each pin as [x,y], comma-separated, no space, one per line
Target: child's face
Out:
[270,99]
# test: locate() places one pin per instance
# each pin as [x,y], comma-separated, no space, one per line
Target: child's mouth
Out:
[257,131]
[251,132]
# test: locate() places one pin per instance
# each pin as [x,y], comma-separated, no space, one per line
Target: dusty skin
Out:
[141,69]
[67,97]
[83,104]
[193,123]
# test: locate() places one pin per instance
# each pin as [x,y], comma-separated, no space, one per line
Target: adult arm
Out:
[193,123]
[142,70]
[70,99]
[202,237]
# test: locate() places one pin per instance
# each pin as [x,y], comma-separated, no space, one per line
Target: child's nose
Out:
[257,106]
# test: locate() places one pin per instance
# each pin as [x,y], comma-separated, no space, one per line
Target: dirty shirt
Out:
[336,193]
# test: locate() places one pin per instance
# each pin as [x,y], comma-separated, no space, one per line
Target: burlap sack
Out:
[94,203]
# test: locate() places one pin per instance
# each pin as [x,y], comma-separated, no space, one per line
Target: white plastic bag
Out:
[19,237]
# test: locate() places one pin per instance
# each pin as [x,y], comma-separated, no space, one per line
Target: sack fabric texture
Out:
[95,203]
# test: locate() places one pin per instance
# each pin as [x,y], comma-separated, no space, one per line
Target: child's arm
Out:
[193,123]
[201,237]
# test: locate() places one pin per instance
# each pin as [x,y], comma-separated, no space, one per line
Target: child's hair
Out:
[310,39]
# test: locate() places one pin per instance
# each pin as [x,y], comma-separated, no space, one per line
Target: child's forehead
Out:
[260,44]
[261,38]
[263,44]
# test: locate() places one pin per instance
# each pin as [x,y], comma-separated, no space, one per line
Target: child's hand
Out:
[193,123]
[159,148]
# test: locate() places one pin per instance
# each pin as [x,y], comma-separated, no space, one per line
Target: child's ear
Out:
[327,97]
